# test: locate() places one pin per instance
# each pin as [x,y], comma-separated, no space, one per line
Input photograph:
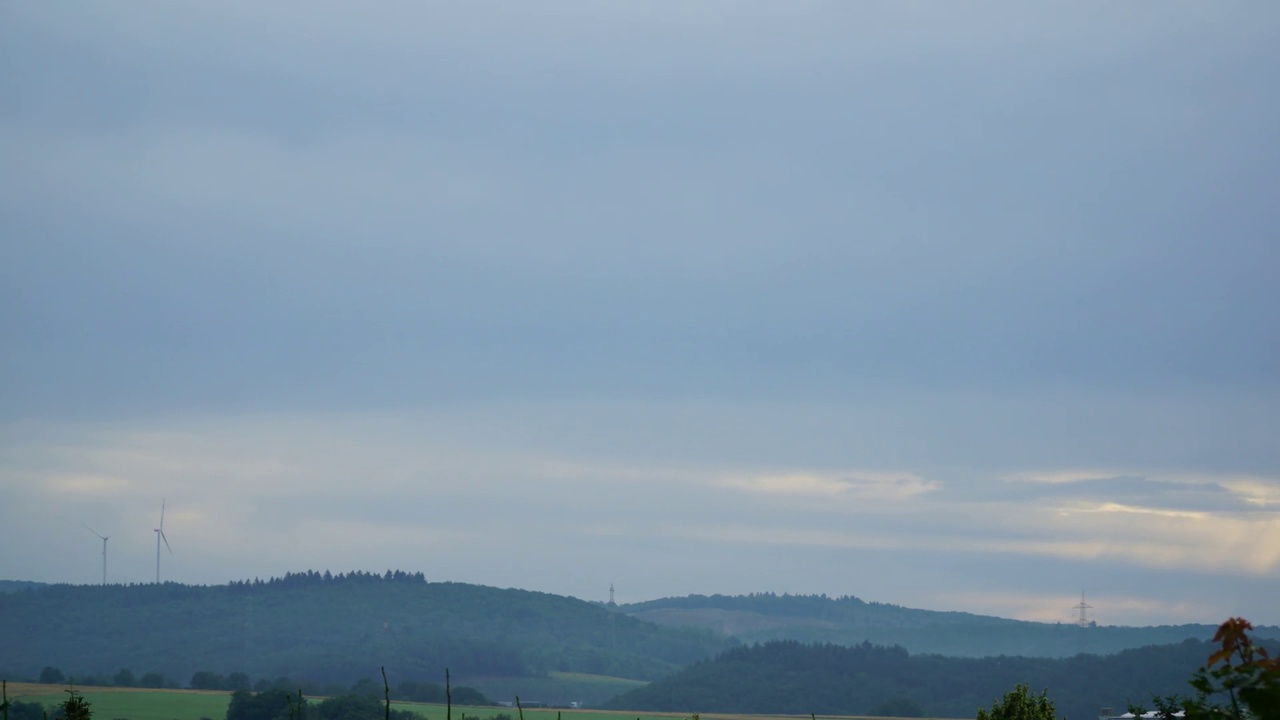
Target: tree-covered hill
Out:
[787,677]
[764,617]
[335,628]
[11,586]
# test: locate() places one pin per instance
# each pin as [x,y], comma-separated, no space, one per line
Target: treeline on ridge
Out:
[847,620]
[313,577]
[793,678]
[327,627]
[765,603]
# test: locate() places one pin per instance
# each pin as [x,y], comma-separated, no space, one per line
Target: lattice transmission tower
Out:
[1083,609]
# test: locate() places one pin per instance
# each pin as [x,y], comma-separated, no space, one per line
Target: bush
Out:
[420,692]
[19,710]
[236,681]
[1021,704]
[1239,682]
[356,707]
[205,680]
[268,705]
[366,687]
[74,707]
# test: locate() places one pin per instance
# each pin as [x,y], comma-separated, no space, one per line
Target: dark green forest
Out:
[792,678]
[848,620]
[332,628]
[320,632]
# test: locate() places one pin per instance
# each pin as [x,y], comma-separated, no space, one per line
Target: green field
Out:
[136,704]
[110,704]
[560,688]
[113,704]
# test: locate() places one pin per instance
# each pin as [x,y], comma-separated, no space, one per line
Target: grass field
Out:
[143,704]
[560,687]
[130,703]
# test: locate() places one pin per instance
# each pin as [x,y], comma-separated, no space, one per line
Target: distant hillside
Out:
[791,678]
[850,621]
[333,629]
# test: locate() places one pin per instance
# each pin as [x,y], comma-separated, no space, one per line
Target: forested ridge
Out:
[847,620]
[335,628]
[326,627]
[793,678]
[10,586]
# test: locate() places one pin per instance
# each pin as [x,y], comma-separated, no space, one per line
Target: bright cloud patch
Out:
[811,485]
[1108,608]
[1220,542]
[1055,477]
[1111,507]
[1255,491]
[89,485]
[860,485]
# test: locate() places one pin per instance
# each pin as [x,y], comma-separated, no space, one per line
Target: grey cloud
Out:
[960,242]
[1205,494]
[475,496]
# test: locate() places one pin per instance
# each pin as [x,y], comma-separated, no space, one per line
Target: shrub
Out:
[19,710]
[1239,682]
[1021,704]
[357,707]
[74,707]
[268,705]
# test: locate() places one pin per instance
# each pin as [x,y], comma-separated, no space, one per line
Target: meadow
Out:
[130,703]
[144,704]
[590,690]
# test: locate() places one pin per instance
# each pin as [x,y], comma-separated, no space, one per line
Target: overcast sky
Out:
[952,305]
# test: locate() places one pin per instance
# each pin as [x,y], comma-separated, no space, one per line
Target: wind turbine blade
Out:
[166,542]
[162,503]
[95,532]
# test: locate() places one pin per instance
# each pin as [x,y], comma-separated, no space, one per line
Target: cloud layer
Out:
[925,304]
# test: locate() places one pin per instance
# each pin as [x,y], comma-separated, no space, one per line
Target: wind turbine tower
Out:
[160,536]
[612,608]
[105,538]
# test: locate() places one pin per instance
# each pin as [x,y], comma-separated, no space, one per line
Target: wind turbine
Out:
[105,538]
[160,536]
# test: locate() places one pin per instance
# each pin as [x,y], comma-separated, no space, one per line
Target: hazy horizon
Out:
[959,307]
